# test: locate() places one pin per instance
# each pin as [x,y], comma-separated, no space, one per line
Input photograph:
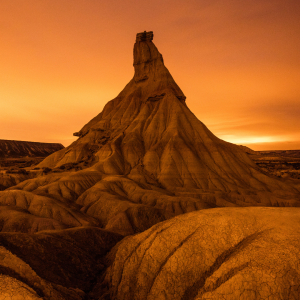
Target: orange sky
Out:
[238,63]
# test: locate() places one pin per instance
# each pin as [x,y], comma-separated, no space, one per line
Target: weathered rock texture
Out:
[21,148]
[143,160]
[8,180]
[60,264]
[222,253]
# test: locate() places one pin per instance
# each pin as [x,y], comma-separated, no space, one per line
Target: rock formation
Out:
[148,136]
[144,160]
[223,253]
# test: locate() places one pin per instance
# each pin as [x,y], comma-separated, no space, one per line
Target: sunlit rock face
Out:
[223,253]
[142,161]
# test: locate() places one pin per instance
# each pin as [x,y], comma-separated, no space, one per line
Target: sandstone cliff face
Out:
[144,160]
[21,148]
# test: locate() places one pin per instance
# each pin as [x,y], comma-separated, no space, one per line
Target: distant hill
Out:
[280,163]
[10,148]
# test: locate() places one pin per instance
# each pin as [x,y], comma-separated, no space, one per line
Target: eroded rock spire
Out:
[148,135]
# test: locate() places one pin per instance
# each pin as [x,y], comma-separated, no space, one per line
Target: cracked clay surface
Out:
[226,253]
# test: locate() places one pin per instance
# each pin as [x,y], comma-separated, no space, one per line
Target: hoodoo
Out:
[137,169]
[148,137]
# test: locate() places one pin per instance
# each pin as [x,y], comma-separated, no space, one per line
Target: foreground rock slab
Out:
[220,253]
[53,264]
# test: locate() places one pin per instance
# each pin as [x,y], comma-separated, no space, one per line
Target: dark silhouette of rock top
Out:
[11,148]
[144,36]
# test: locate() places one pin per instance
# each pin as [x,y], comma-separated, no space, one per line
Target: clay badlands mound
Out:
[154,207]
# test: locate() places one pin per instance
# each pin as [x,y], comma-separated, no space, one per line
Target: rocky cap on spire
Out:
[144,36]
[150,70]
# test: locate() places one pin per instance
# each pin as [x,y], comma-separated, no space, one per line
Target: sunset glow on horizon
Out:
[237,62]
